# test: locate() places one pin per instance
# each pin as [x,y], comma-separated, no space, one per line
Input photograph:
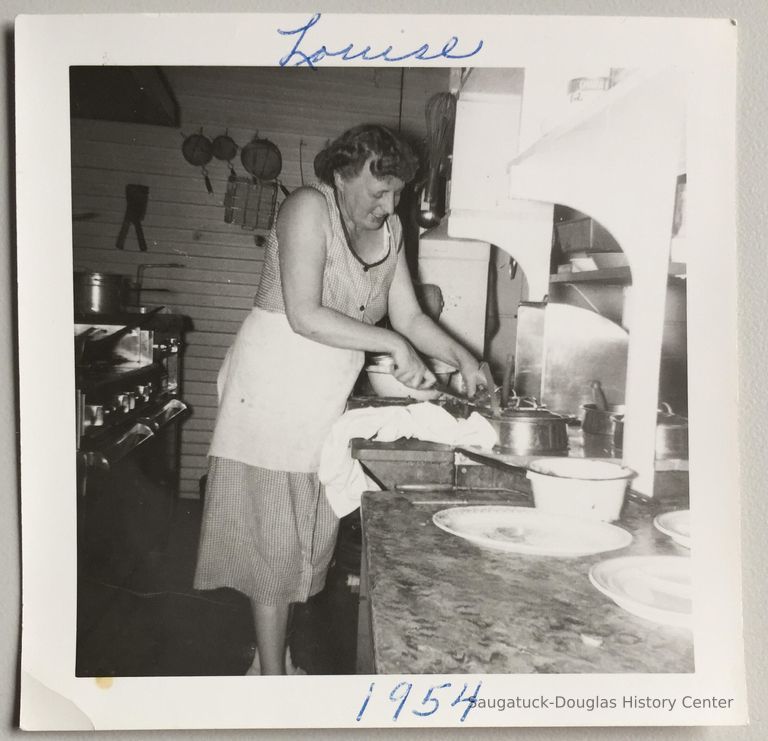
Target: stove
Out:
[128,381]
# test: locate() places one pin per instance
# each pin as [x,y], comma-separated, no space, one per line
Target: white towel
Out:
[344,478]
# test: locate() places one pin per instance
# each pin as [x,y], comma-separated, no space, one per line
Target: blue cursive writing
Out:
[297,57]
[402,691]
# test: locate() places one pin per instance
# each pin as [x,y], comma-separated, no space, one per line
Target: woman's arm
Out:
[407,318]
[303,230]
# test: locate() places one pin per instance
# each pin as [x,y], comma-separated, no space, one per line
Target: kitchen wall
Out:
[299,110]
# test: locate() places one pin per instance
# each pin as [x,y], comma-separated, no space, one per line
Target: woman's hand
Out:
[409,368]
[469,368]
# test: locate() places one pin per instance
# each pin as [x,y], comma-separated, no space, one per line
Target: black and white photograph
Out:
[382,354]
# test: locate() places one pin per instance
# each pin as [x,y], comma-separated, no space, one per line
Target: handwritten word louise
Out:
[429,704]
[297,56]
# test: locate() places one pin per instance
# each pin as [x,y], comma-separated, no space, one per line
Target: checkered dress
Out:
[265,532]
[351,286]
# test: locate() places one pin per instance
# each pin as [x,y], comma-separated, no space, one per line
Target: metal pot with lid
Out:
[529,430]
[671,434]
[100,293]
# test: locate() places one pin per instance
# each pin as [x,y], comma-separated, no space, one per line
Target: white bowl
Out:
[385,384]
[592,488]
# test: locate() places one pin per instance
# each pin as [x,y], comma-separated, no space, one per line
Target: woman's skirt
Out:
[269,534]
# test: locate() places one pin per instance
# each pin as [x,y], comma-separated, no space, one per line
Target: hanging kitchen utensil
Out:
[440,115]
[250,202]
[198,151]
[230,196]
[223,148]
[261,159]
[137,197]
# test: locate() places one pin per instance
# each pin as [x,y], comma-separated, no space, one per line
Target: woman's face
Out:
[366,200]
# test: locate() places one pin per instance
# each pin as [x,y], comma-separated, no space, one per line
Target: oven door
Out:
[128,483]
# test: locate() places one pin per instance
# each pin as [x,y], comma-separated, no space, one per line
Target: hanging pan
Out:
[198,151]
[262,159]
[224,148]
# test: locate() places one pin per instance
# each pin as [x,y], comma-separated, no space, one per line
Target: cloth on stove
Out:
[343,477]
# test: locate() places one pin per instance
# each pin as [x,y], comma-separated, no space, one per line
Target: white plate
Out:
[677,525]
[656,588]
[527,530]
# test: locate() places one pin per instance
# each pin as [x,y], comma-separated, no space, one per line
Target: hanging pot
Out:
[198,151]
[262,159]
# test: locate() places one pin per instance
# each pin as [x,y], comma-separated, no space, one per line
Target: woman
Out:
[333,267]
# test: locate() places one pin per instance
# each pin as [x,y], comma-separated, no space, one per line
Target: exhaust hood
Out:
[127,94]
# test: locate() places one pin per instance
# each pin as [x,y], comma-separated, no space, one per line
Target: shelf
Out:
[611,275]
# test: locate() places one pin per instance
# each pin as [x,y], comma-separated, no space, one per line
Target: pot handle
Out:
[521,400]
[598,396]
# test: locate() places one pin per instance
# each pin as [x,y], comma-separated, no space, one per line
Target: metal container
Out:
[671,435]
[530,432]
[100,293]
[601,421]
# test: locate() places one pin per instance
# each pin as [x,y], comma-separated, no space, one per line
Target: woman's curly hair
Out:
[392,156]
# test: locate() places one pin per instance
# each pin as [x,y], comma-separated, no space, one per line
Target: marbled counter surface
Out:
[442,605]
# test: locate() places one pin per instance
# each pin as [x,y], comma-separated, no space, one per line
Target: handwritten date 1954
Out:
[429,704]
[298,56]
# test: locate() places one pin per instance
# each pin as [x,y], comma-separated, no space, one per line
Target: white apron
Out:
[279,395]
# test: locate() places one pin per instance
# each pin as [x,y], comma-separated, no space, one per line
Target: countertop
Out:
[439,604]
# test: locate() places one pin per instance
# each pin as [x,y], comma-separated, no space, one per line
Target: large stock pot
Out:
[529,430]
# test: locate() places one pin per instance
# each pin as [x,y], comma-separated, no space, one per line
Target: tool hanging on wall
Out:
[251,202]
[440,113]
[224,148]
[137,197]
[262,159]
[198,151]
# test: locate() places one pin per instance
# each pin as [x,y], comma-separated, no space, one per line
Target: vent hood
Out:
[127,94]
